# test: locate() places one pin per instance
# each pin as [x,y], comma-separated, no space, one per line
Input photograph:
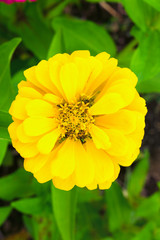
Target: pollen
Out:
[75,121]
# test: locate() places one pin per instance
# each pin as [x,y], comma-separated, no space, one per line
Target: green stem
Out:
[64,209]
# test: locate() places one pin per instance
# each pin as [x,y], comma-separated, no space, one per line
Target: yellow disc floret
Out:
[75,120]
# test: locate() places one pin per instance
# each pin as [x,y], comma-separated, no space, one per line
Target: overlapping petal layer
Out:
[76,119]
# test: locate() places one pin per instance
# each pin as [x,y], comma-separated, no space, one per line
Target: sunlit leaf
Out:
[142,14]
[145,63]
[154,3]
[84,35]
[57,44]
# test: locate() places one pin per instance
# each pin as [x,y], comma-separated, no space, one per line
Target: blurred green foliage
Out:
[31,32]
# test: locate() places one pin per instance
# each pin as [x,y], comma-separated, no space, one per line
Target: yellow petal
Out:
[138,104]
[22,137]
[54,72]
[12,129]
[34,164]
[96,68]
[85,169]
[138,134]
[81,54]
[123,120]
[105,185]
[26,150]
[116,171]
[119,144]
[123,73]
[64,162]
[104,168]
[29,92]
[25,84]
[52,98]
[107,104]
[100,138]
[43,76]
[31,77]
[36,126]
[60,58]
[108,67]
[84,71]
[140,122]
[131,155]
[48,141]
[17,108]
[39,107]
[126,91]
[103,57]
[69,78]
[92,185]
[64,184]
[44,173]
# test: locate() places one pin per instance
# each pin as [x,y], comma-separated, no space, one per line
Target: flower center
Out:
[75,120]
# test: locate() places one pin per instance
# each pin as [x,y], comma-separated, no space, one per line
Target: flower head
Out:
[76,119]
[13,1]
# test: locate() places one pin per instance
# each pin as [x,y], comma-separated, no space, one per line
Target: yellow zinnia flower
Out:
[76,119]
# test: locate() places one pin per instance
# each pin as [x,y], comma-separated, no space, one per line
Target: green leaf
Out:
[17,184]
[31,206]
[4,213]
[8,160]
[138,177]
[42,227]
[5,120]
[146,233]
[118,209]
[4,135]
[7,11]
[84,35]
[88,196]
[58,8]
[151,85]
[142,14]
[6,51]
[16,79]
[34,31]
[149,207]
[125,56]
[157,234]
[57,44]
[154,3]
[64,208]
[145,63]
[95,1]
[3,149]
[107,238]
